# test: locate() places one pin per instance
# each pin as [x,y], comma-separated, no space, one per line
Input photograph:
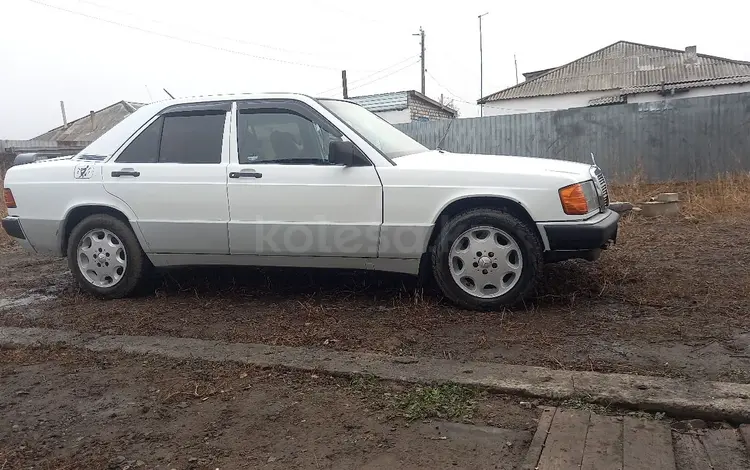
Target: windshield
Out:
[378,132]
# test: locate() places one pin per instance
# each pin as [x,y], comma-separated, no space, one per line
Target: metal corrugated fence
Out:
[679,139]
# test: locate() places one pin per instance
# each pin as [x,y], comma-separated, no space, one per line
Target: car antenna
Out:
[593,159]
[442,139]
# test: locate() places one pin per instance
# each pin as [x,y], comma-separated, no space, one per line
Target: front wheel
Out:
[105,257]
[485,259]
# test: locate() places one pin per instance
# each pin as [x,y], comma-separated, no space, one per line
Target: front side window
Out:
[281,136]
[190,138]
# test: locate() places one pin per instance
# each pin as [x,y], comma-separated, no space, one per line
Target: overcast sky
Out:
[48,55]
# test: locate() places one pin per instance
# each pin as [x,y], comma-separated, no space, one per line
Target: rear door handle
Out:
[245,174]
[126,172]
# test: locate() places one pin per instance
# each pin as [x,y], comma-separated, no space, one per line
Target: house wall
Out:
[396,117]
[539,104]
[422,110]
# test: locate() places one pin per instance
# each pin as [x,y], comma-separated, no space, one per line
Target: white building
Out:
[623,72]
[405,106]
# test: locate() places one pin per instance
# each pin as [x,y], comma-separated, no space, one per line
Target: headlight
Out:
[579,198]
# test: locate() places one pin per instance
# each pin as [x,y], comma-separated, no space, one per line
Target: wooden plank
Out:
[603,450]
[540,437]
[745,433]
[690,453]
[565,442]
[647,445]
[725,449]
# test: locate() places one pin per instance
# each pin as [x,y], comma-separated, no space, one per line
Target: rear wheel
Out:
[105,257]
[485,259]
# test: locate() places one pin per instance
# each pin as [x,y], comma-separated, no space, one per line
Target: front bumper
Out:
[586,235]
[12,225]
[581,239]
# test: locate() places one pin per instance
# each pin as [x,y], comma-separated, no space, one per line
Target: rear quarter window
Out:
[145,147]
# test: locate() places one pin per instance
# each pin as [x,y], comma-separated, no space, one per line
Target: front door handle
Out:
[126,172]
[245,174]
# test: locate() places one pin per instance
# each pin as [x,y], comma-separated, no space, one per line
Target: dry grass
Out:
[724,195]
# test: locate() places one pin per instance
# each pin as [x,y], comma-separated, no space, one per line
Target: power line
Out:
[177,38]
[388,75]
[367,18]
[227,38]
[370,75]
[457,97]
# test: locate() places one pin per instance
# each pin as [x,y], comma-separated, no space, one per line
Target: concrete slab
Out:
[715,401]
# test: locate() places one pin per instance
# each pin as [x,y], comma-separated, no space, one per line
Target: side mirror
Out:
[345,153]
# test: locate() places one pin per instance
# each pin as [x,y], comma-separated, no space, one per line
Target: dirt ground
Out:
[65,409]
[671,298]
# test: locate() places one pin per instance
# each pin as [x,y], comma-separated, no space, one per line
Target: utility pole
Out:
[481,66]
[343,84]
[515,62]
[421,55]
[65,118]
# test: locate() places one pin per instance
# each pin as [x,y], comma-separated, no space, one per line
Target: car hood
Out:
[441,160]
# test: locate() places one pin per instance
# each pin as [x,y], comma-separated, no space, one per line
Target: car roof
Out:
[231,97]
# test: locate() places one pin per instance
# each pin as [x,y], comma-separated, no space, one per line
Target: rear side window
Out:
[191,138]
[145,147]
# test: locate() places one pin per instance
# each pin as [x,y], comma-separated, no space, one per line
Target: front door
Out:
[286,198]
[173,177]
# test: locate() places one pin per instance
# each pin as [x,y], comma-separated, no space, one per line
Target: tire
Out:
[515,270]
[118,243]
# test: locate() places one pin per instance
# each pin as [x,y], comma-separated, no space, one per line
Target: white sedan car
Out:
[288,180]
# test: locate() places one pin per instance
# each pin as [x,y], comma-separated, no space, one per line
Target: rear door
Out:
[173,176]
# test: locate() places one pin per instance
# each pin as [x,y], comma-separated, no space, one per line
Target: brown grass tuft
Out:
[725,195]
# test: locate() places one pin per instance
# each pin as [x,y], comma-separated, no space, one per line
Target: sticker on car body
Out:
[84,171]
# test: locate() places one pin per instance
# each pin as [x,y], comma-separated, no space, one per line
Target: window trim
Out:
[217,106]
[292,106]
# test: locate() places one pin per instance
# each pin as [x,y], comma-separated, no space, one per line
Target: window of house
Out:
[281,136]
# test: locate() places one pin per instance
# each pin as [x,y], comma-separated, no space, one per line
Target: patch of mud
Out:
[715,360]
[66,409]
[23,305]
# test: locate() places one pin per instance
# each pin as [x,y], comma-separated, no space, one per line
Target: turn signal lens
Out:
[573,200]
[10,203]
